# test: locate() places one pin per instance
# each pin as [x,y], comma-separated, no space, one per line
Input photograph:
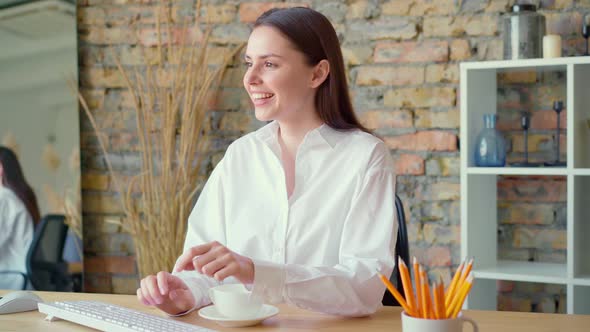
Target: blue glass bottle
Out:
[490,148]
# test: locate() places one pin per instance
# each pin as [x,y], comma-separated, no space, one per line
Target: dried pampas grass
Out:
[172,131]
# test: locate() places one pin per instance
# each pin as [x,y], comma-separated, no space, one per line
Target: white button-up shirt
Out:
[16,235]
[321,248]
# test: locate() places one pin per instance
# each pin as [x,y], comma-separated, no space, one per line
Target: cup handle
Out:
[211,295]
[470,321]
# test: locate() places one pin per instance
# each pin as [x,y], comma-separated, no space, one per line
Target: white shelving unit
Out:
[479,222]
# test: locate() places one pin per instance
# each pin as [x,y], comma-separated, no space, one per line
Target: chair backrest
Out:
[402,249]
[46,268]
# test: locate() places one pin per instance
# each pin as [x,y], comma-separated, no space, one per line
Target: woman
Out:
[303,206]
[18,214]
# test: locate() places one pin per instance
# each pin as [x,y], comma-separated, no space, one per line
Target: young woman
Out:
[18,214]
[302,210]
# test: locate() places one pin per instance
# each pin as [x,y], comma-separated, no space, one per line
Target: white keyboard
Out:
[109,317]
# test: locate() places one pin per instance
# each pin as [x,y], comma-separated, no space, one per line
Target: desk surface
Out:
[293,319]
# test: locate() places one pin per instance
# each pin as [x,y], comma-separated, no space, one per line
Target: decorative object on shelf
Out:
[490,148]
[557,107]
[586,29]
[524,29]
[551,46]
[525,124]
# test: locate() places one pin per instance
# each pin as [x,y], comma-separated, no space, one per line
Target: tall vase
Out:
[490,147]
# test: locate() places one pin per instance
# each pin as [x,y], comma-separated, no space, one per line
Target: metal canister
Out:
[524,29]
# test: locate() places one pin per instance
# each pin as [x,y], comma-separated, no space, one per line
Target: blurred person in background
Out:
[19,213]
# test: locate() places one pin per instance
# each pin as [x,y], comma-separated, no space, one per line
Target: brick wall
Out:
[403,66]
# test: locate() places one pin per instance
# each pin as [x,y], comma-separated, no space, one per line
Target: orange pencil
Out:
[451,290]
[406,283]
[428,304]
[395,293]
[416,268]
[462,296]
[441,295]
[436,298]
[463,290]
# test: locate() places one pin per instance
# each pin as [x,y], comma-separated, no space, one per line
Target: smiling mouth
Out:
[262,96]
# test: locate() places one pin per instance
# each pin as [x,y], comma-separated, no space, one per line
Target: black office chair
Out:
[402,249]
[46,269]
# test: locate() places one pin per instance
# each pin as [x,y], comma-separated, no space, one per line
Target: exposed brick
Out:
[440,234]
[356,55]
[531,190]
[473,25]
[378,119]
[404,52]
[443,166]
[249,11]
[216,14]
[418,7]
[433,256]
[420,97]
[430,119]
[102,77]
[125,285]
[360,9]
[460,50]
[409,164]
[97,203]
[489,49]
[107,36]
[174,36]
[390,75]
[564,24]
[424,141]
[497,6]
[527,214]
[110,264]
[517,77]
[97,283]
[390,28]
[95,181]
[236,121]
[442,73]
[440,191]
[540,142]
[539,238]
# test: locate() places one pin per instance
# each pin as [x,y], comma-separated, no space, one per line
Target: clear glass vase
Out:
[490,147]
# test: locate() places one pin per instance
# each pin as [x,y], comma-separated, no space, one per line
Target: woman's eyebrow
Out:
[264,56]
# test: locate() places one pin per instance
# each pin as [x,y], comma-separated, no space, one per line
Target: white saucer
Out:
[211,313]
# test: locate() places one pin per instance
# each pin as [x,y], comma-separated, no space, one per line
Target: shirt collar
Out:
[322,134]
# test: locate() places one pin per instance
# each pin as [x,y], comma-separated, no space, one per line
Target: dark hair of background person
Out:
[314,36]
[14,179]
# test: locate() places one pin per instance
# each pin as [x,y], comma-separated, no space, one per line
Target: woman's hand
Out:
[166,292]
[217,261]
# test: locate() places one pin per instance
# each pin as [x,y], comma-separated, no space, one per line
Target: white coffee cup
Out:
[413,324]
[235,301]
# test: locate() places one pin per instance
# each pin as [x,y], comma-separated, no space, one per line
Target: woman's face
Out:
[278,80]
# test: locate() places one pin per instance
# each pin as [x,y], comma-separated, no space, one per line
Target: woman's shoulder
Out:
[9,200]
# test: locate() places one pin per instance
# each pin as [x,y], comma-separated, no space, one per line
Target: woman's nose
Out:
[252,76]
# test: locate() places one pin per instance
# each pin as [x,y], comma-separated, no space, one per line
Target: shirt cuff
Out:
[201,296]
[269,281]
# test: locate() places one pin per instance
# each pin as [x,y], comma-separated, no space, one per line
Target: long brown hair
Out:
[314,36]
[14,179]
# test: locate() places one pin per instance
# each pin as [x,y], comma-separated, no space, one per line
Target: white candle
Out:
[552,46]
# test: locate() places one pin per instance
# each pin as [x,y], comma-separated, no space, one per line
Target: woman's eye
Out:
[269,64]
[247,64]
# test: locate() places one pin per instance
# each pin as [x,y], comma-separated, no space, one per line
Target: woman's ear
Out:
[320,73]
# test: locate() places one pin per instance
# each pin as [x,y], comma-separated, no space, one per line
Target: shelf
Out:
[527,64]
[519,170]
[581,171]
[582,280]
[524,271]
